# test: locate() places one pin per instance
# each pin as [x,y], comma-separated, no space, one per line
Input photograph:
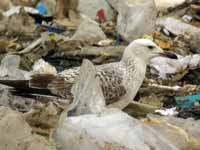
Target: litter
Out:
[187,101]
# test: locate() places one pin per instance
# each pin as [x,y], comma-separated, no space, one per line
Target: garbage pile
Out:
[49,36]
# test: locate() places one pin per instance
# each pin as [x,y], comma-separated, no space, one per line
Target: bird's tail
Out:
[22,87]
[17,84]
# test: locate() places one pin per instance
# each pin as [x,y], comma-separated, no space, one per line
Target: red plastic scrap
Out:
[101,15]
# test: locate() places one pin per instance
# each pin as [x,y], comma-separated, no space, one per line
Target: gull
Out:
[119,81]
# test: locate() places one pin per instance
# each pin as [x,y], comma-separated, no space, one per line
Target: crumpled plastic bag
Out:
[165,66]
[115,130]
[10,68]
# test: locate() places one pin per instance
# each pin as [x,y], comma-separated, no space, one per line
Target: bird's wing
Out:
[57,85]
[37,85]
[41,85]
[110,75]
[111,80]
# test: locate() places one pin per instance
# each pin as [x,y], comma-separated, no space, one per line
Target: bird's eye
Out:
[150,47]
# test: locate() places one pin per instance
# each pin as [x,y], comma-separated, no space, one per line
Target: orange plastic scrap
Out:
[163,43]
[196,24]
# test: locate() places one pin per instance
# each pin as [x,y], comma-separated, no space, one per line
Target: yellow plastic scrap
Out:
[104,54]
[52,36]
[146,36]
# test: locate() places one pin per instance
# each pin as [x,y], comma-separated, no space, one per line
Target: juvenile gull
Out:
[120,81]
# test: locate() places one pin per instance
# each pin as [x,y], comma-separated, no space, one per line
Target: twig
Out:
[174,88]
[111,51]
[30,47]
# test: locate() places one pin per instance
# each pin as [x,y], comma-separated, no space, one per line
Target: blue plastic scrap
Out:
[187,101]
[41,8]
[53,29]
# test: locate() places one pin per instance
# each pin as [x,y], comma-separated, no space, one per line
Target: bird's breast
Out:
[133,78]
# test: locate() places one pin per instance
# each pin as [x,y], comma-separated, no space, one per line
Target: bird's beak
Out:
[168,54]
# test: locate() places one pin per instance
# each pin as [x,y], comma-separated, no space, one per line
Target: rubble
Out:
[21,23]
[133,18]
[186,128]
[49,36]
[189,112]
[9,45]
[44,118]
[31,46]
[194,43]
[17,134]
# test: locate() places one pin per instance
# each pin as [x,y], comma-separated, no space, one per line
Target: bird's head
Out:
[146,50]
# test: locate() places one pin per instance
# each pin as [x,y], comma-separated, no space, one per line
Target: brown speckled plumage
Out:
[110,76]
[119,81]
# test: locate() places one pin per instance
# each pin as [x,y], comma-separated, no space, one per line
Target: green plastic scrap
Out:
[187,101]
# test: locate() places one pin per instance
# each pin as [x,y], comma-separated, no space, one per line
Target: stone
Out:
[91,7]
[136,18]
[89,32]
[18,103]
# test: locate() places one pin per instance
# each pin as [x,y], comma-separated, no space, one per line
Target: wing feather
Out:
[110,75]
